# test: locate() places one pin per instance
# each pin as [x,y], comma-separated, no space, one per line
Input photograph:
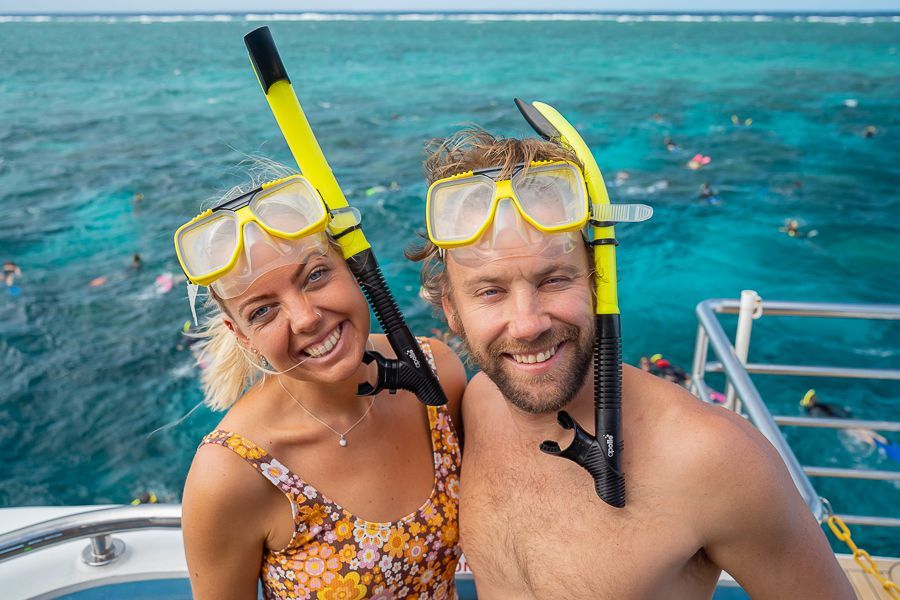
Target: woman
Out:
[319,492]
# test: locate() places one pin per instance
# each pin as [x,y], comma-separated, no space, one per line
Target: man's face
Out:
[528,323]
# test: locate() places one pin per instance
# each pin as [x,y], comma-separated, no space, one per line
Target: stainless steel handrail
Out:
[812,371]
[711,333]
[836,423]
[884,312]
[871,474]
[752,400]
[874,521]
[95,524]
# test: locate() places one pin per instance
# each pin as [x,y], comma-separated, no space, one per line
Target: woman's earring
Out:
[263,362]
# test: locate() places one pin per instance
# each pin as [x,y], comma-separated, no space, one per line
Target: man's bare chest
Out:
[545,532]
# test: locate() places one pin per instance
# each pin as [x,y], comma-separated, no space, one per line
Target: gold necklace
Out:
[343,439]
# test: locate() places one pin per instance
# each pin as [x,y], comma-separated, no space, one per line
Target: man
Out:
[705,491]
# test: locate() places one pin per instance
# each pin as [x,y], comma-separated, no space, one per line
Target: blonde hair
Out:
[229,370]
[468,150]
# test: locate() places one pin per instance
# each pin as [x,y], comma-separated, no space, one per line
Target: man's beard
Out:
[542,394]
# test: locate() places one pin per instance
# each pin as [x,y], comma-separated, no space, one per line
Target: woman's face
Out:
[312,313]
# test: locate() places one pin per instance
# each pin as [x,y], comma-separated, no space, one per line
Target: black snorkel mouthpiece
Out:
[392,374]
[410,370]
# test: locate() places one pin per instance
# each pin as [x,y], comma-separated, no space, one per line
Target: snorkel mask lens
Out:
[510,236]
[261,253]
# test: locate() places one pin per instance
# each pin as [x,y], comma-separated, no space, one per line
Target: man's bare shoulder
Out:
[716,466]
[481,401]
[703,444]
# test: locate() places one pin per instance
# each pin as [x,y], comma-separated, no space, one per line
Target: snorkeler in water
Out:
[815,408]
[661,367]
[792,228]
[698,161]
[708,194]
[10,271]
[671,146]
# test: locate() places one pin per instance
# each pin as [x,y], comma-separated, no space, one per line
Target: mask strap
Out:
[192,289]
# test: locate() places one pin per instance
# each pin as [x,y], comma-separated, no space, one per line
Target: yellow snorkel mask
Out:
[480,217]
[282,222]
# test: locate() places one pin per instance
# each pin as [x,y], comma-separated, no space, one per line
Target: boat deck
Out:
[866,586]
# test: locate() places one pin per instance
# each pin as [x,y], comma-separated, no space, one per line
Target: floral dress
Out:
[334,555]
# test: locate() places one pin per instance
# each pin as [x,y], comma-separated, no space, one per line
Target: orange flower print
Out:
[337,556]
[396,542]
[453,486]
[347,553]
[450,533]
[245,448]
[425,579]
[415,528]
[312,515]
[450,508]
[436,520]
[428,511]
[365,532]
[344,588]
[416,549]
[343,529]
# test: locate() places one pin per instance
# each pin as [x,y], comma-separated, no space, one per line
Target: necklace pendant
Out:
[342,441]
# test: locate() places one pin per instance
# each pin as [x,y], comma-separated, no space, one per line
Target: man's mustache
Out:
[546,340]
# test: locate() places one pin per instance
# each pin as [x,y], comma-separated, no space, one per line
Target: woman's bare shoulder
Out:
[219,478]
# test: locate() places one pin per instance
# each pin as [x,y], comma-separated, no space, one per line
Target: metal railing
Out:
[98,525]
[744,397]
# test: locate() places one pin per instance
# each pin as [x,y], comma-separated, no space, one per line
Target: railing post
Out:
[751,308]
[102,550]
[698,369]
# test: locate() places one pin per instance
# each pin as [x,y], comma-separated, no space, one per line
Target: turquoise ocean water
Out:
[94,110]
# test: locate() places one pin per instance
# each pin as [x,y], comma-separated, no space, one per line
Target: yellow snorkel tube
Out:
[599,454]
[410,371]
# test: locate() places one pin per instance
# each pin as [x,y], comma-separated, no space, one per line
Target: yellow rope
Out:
[862,558]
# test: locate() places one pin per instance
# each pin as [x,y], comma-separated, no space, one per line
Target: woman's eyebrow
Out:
[294,277]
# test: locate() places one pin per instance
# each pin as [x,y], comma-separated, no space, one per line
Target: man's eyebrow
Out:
[484,279]
[570,270]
